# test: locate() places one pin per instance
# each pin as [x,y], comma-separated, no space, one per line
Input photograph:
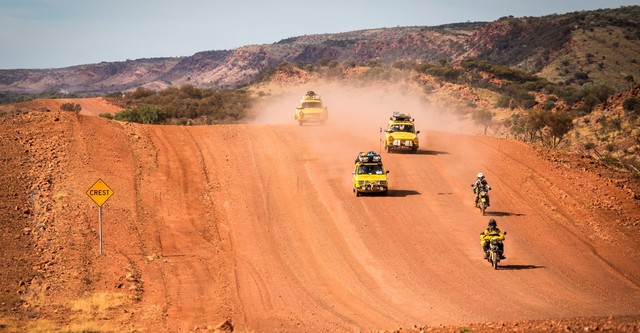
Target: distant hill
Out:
[601,46]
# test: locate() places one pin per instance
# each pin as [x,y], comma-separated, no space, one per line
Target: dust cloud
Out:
[358,114]
[361,109]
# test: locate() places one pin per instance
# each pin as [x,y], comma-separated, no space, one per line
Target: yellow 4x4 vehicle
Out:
[311,109]
[401,134]
[369,175]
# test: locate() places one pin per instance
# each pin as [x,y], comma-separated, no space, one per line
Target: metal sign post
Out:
[100,227]
[100,192]
[380,141]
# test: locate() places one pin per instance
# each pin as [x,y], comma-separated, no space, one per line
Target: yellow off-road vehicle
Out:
[369,175]
[401,134]
[311,109]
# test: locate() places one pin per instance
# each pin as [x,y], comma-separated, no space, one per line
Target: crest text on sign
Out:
[100,192]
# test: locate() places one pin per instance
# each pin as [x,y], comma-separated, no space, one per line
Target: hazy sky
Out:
[61,33]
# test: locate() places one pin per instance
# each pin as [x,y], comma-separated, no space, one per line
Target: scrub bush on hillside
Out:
[187,102]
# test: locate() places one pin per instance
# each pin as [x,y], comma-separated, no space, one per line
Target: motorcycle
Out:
[494,253]
[483,198]
[482,201]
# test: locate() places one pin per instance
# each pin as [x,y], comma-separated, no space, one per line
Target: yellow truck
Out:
[369,175]
[311,109]
[401,134]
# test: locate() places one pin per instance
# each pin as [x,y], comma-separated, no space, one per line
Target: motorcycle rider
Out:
[481,185]
[492,231]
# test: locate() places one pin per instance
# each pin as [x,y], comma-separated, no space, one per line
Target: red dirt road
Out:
[257,225]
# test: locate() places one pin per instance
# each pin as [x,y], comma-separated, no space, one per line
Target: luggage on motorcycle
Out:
[495,252]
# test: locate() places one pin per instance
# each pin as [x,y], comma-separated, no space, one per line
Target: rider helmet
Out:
[480,175]
[493,223]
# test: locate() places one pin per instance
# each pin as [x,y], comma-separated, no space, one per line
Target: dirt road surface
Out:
[255,228]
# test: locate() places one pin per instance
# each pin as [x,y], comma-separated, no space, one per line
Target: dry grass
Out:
[603,53]
[99,303]
[89,314]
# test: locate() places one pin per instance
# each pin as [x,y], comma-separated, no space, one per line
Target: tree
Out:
[559,123]
[538,124]
[535,121]
[517,125]
[483,117]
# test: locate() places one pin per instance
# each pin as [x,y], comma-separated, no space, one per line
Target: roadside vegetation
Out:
[185,105]
[8,98]
[528,107]
[574,116]
[72,107]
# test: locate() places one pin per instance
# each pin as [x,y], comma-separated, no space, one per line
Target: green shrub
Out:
[589,102]
[550,103]
[73,107]
[570,95]
[601,91]
[632,105]
[144,114]
[503,102]
[140,92]
[616,124]
[187,101]
[525,100]
[115,94]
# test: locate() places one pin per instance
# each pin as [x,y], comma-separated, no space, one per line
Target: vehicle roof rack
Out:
[369,157]
[397,116]
[311,95]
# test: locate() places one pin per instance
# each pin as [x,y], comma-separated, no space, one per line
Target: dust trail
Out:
[360,109]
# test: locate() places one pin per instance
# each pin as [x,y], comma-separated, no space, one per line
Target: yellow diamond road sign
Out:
[100,192]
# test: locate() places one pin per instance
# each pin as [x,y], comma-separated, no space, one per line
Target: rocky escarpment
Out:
[531,44]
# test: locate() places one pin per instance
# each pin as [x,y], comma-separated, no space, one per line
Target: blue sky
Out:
[61,33]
